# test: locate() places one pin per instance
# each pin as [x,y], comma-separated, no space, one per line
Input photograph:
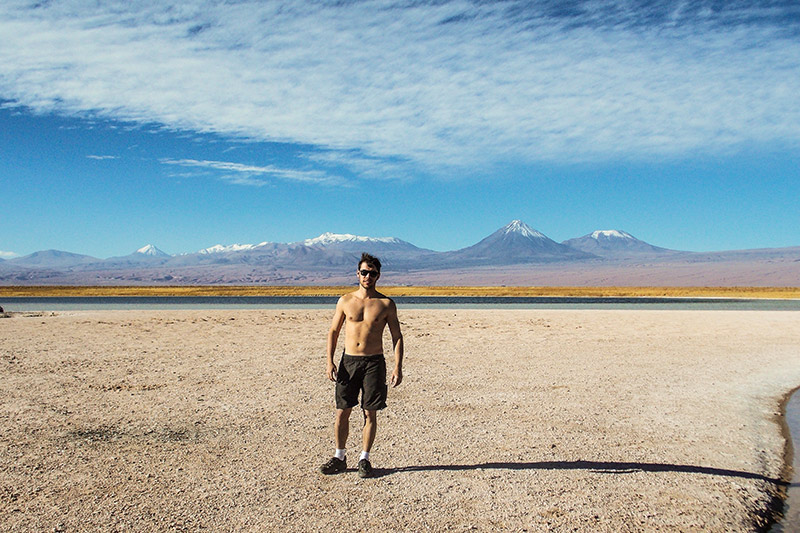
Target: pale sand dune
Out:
[508,420]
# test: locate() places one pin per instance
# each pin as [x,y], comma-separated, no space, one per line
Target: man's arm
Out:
[397,343]
[333,338]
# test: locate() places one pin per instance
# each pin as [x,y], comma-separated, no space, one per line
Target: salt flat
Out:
[507,420]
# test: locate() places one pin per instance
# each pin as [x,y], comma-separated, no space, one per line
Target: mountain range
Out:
[527,256]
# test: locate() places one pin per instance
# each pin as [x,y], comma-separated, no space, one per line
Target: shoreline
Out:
[777,507]
[773,293]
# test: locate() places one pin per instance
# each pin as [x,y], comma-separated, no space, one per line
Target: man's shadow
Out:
[601,467]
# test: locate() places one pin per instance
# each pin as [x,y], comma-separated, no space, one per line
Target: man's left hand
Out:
[397,377]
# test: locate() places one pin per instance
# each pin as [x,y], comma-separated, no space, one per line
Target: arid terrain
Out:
[512,420]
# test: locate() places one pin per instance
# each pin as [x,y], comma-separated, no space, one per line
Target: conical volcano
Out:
[515,243]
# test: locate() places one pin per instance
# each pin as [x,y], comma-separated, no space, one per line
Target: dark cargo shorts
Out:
[365,374]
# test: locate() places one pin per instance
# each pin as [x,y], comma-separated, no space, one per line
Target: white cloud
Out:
[255,175]
[385,89]
[365,165]
[7,255]
[101,157]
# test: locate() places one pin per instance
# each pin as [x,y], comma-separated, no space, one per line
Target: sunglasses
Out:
[366,273]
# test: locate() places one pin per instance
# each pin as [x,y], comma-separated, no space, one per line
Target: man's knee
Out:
[343,414]
[370,416]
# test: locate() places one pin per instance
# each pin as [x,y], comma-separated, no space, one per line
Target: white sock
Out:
[339,454]
[364,455]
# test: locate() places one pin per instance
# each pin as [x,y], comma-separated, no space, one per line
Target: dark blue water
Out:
[407,302]
[791,505]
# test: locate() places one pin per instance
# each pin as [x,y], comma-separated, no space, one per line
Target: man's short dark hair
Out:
[370,260]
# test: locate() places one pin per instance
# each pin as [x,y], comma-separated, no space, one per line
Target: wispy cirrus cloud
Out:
[102,157]
[254,175]
[8,255]
[382,85]
[365,165]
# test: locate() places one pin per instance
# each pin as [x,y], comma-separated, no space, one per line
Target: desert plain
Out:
[507,420]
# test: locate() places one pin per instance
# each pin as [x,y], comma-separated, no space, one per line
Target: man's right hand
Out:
[331,373]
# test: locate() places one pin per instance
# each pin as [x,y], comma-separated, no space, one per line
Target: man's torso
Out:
[365,320]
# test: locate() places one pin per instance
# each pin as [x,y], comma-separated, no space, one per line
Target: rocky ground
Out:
[507,420]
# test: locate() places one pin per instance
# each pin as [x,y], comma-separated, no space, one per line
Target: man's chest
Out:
[368,312]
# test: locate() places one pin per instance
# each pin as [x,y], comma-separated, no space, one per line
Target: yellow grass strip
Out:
[279,290]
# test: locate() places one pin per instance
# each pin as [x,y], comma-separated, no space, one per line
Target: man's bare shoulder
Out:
[349,299]
[355,296]
[348,296]
[385,300]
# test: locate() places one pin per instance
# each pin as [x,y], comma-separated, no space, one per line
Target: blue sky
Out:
[195,123]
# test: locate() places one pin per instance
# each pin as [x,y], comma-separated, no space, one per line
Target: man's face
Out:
[367,276]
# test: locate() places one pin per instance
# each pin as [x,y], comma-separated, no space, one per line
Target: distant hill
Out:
[613,244]
[53,259]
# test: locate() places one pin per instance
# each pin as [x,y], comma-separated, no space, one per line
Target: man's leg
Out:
[373,399]
[341,427]
[370,427]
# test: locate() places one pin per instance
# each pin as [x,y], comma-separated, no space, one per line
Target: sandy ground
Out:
[507,420]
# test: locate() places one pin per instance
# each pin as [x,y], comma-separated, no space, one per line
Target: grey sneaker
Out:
[364,468]
[333,466]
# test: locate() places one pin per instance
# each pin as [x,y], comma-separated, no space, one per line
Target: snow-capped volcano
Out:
[146,255]
[521,228]
[610,234]
[152,251]
[515,243]
[613,243]
[219,248]
[357,243]
[328,238]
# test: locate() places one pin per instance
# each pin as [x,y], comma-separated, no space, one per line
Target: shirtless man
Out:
[365,313]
